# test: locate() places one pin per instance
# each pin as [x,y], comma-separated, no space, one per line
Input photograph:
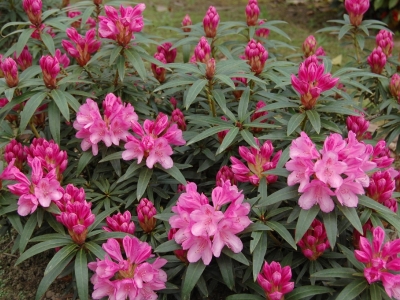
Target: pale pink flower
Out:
[317,192]
[10,71]
[24,60]
[256,56]
[146,212]
[252,13]
[50,69]
[329,168]
[315,241]
[309,46]
[384,39]
[303,147]
[275,280]
[356,9]
[210,22]
[377,60]
[33,9]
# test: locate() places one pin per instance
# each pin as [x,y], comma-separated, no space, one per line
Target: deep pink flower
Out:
[71,194]
[169,54]
[358,124]
[381,155]
[146,212]
[377,60]
[120,222]
[394,86]
[202,52]
[384,39]
[127,274]
[33,9]
[356,9]
[178,118]
[224,174]
[275,280]
[256,56]
[40,29]
[186,22]
[312,81]
[315,241]
[15,150]
[210,22]
[62,58]
[252,13]
[121,26]
[262,32]
[309,46]
[24,60]
[10,71]
[320,52]
[50,69]
[159,72]
[381,186]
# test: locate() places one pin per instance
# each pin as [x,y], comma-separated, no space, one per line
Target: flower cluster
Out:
[341,164]
[315,241]
[210,22]
[381,156]
[17,152]
[275,280]
[356,10]
[111,128]
[312,81]
[204,229]
[50,68]
[120,222]
[377,60]
[256,56]
[33,9]
[384,39]
[24,60]
[127,274]
[153,144]
[146,212]
[258,162]
[10,72]
[359,125]
[262,32]
[202,52]
[381,188]
[381,260]
[224,174]
[252,13]
[186,21]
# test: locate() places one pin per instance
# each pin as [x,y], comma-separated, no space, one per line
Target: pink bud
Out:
[210,68]
[356,9]
[146,212]
[252,13]
[24,61]
[180,254]
[15,150]
[73,14]
[384,39]
[381,186]
[239,81]
[275,280]
[262,32]
[40,29]
[159,72]
[224,174]
[358,124]
[178,118]
[173,102]
[381,155]
[394,86]
[258,114]
[169,54]
[221,135]
[120,222]
[315,241]
[256,56]
[377,60]
[210,22]
[186,22]
[50,69]
[202,52]
[10,71]
[320,52]
[33,9]
[309,46]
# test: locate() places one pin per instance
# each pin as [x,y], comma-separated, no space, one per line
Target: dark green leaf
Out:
[95,249]
[115,155]
[303,292]
[85,158]
[23,39]
[209,132]
[305,219]
[168,246]
[249,138]
[121,67]
[351,214]
[244,104]
[236,256]
[61,102]
[228,139]
[176,173]
[352,290]
[259,255]
[372,204]
[226,268]
[333,273]
[294,123]
[244,297]
[30,107]
[330,223]
[314,119]
[350,256]
[144,179]
[137,62]
[286,193]
[27,233]
[283,232]
[81,274]
[192,275]
[60,256]
[193,91]
[48,42]
[54,121]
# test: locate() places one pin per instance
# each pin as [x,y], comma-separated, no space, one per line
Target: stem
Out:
[210,99]
[356,46]
[303,124]
[34,130]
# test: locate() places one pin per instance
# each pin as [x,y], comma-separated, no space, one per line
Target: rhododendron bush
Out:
[211,166]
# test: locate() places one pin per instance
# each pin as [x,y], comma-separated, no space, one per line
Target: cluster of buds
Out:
[275,280]
[394,86]
[169,54]
[110,128]
[42,28]
[384,39]
[312,81]
[381,156]
[381,261]
[210,22]
[381,187]
[120,223]
[252,13]
[309,46]
[50,69]
[356,10]
[180,253]
[10,72]
[359,125]
[202,52]
[204,229]
[258,115]
[341,164]
[146,212]
[83,47]
[186,22]
[178,118]
[315,241]
[128,275]
[76,214]
[120,27]
[256,56]
[24,60]
[262,32]
[239,82]
[159,72]
[224,174]
[377,60]
[33,9]
[258,162]
[153,142]
[15,150]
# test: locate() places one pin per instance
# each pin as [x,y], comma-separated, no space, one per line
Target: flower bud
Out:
[320,52]
[120,222]
[315,241]
[50,69]
[202,52]
[24,60]
[210,68]
[258,114]
[224,174]
[394,86]
[173,102]
[356,9]
[97,2]
[384,39]
[309,46]
[275,280]
[180,253]
[262,32]
[256,56]
[367,227]
[169,54]
[210,22]
[159,72]
[186,22]
[10,71]
[72,14]
[146,212]
[62,58]
[358,124]
[381,186]
[239,81]
[252,13]
[15,150]
[178,118]
[381,155]
[33,9]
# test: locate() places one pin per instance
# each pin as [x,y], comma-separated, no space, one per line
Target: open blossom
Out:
[381,260]
[358,124]
[384,39]
[159,72]
[10,72]
[33,9]
[146,212]
[110,128]
[83,47]
[340,165]
[24,60]
[262,32]
[309,46]
[153,142]
[256,56]
[377,60]
[203,228]
[275,280]
[312,81]
[186,22]
[50,69]
[63,59]
[120,222]
[315,241]
[121,26]
[258,162]
[169,54]
[202,52]
[252,13]
[126,274]
[210,22]
[356,10]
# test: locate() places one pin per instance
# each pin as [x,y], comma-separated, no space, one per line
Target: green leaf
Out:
[85,16]
[168,246]
[351,258]
[61,102]
[244,297]
[305,219]
[85,158]
[249,138]
[192,275]
[137,62]
[48,42]
[174,83]
[294,123]
[283,232]
[330,223]
[228,139]
[219,97]
[95,249]
[100,217]
[60,256]
[121,67]
[30,107]
[344,29]
[255,239]
[226,268]
[372,204]
[286,193]
[27,233]
[314,119]
[176,173]
[131,170]
[75,105]
[114,54]
[54,121]
[81,274]
[193,91]
[352,290]
[240,257]
[23,39]
[306,291]
[374,291]
[115,155]
[392,219]
[259,254]
[209,132]
[244,104]
[351,214]
[335,273]
[41,247]
[144,179]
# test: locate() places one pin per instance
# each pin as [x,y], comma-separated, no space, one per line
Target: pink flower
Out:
[33,9]
[224,174]
[120,222]
[73,14]
[202,52]
[239,81]
[312,81]
[178,118]
[40,29]
[186,22]
[120,27]
[50,69]
[356,9]
[24,60]
[309,46]
[303,147]
[210,22]
[256,56]
[314,242]
[10,71]
[262,32]
[377,60]
[384,39]
[180,254]
[394,86]
[381,155]
[71,194]
[127,274]
[358,124]
[84,46]
[381,186]
[159,72]
[258,116]
[15,150]
[317,192]
[252,13]
[275,280]
[62,58]
[367,228]
[169,54]
[146,212]
[320,52]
